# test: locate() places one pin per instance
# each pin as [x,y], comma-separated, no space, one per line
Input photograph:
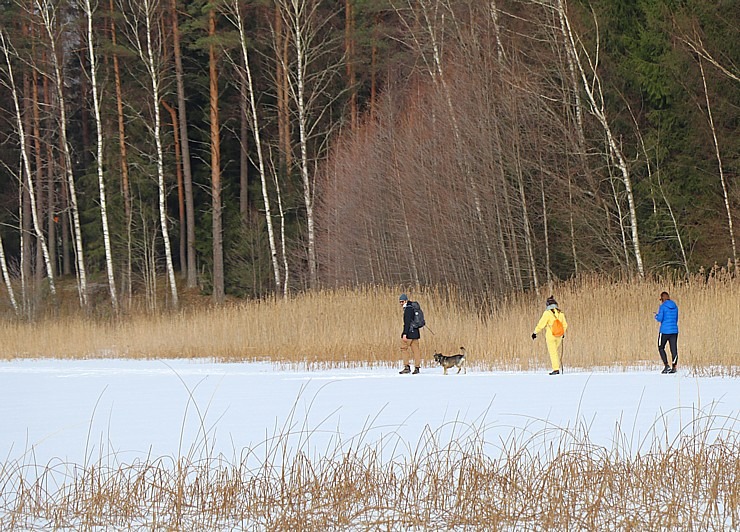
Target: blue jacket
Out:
[668,317]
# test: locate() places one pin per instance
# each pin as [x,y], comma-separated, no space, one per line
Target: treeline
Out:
[540,140]
[250,148]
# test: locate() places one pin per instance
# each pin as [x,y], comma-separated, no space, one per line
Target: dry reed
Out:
[611,325]
[691,482]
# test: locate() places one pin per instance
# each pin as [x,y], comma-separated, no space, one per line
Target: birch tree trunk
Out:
[146,9]
[48,17]
[6,279]
[723,181]
[300,15]
[27,163]
[52,218]
[99,158]
[283,240]
[39,258]
[236,20]
[26,220]
[593,92]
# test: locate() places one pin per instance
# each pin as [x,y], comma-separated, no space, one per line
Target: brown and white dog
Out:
[452,361]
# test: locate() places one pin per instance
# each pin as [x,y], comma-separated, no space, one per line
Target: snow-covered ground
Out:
[83,411]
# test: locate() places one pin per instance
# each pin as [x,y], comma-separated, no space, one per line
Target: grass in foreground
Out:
[551,480]
[611,324]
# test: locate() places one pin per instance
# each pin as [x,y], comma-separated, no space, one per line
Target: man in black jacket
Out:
[409,337]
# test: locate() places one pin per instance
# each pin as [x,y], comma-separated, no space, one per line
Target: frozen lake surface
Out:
[83,411]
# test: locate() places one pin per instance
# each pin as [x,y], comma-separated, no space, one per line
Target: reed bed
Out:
[689,483]
[611,325]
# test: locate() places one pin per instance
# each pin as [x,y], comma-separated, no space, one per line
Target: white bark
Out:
[48,17]
[283,250]
[27,163]
[306,85]
[698,47]
[99,131]
[6,278]
[497,32]
[598,109]
[146,9]
[236,19]
[620,214]
[298,16]
[722,179]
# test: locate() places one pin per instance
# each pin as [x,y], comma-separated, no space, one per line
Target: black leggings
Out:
[672,340]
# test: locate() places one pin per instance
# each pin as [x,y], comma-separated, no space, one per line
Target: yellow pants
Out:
[413,345]
[553,347]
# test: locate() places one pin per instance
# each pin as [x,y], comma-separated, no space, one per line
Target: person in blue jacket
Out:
[667,316]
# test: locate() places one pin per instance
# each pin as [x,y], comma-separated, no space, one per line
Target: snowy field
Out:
[85,411]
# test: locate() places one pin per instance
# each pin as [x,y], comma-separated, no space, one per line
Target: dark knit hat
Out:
[551,301]
[403,297]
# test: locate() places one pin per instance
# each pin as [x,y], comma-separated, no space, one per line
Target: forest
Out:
[156,150]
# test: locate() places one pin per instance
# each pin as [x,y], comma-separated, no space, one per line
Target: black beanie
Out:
[551,301]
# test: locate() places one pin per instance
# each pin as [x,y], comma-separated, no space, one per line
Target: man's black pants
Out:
[672,340]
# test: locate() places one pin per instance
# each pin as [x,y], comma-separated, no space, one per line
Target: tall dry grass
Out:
[691,482]
[611,324]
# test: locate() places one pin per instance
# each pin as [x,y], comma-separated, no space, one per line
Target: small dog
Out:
[453,361]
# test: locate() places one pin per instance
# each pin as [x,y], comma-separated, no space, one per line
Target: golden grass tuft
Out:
[551,480]
[611,324]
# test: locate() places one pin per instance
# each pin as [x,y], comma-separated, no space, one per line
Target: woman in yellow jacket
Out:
[553,321]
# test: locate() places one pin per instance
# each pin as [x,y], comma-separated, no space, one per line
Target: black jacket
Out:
[408,317]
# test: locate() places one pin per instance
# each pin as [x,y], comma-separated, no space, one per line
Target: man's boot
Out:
[416,370]
[406,369]
[673,369]
[666,369]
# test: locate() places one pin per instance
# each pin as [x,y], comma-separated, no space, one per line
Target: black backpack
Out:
[418,320]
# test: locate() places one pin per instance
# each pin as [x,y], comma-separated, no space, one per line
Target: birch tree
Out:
[146,38]
[306,84]
[235,17]
[49,18]
[88,10]
[6,278]
[4,46]
[723,181]
[597,105]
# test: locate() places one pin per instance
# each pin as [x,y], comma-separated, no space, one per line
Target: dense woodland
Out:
[155,148]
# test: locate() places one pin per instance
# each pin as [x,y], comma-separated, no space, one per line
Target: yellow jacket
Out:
[548,318]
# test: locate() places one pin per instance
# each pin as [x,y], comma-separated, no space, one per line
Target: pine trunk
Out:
[218,253]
